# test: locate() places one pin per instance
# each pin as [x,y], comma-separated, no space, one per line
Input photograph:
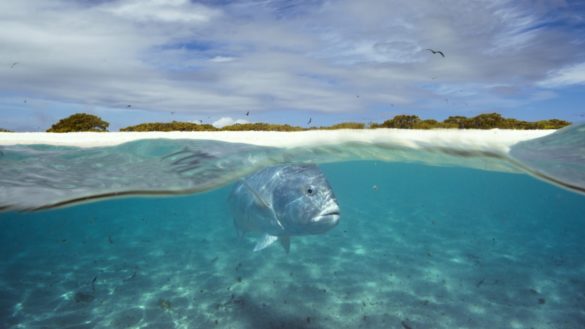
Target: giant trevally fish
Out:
[282,201]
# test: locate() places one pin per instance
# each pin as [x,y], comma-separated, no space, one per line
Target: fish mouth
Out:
[329,218]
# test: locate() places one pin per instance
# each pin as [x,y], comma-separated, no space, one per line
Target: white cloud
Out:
[226,121]
[571,75]
[164,55]
[171,11]
[222,59]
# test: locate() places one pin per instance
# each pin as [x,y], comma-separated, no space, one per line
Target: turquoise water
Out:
[429,247]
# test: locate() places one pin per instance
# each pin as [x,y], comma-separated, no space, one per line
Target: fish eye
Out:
[310,191]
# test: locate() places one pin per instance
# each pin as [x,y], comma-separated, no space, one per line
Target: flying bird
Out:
[248,113]
[436,52]
[128,106]
[310,119]
[13,65]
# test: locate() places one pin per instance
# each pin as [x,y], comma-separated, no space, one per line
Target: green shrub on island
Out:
[261,126]
[345,125]
[189,126]
[482,121]
[79,122]
[2,130]
[495,120]
[413,122]
[401,121]
[170,126]
[550,124]
[456,121]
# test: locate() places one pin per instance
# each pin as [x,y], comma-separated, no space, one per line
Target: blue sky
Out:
[288,61]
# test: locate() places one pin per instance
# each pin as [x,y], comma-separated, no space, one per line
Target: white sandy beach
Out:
[494,140]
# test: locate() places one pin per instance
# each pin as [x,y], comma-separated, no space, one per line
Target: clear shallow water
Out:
[431,247]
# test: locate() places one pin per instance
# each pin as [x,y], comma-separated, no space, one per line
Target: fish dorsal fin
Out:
[285,243]
[265,241]
[264,203]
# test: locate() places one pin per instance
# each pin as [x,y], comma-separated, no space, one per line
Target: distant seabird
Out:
[436,52]
[128,106]
[248,113]
[13,64]
[310,120]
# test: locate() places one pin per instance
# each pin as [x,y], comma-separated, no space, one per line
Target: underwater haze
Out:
[417,246]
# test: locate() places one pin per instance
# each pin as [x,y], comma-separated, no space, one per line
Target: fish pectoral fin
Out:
[285,243]
[265,241]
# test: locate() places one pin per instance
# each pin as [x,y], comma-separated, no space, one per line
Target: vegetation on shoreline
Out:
[260,126]
[482,121]
[170,126]
[79,122]
[5,130]
[87,122]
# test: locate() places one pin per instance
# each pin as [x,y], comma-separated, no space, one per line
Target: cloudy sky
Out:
[284,61]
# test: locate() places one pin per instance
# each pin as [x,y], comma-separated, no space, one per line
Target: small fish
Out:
[130,277]
[110,239]
[283,201]
[83,297]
